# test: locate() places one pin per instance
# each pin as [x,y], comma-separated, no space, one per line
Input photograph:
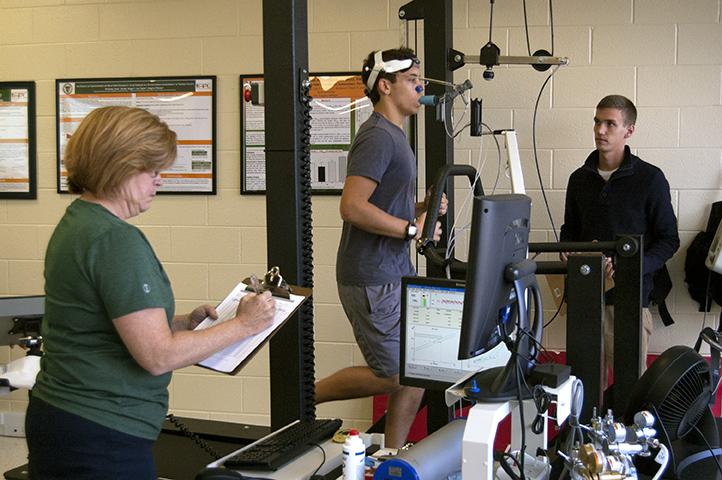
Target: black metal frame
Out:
[585,314]
[585,303]
[285,60]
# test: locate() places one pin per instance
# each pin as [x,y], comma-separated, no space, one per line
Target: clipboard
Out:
[233,358]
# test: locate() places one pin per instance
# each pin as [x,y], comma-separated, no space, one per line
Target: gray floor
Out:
[13,453]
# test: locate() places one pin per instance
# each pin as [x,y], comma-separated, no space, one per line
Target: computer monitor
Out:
[500,279]
[431,311]
[30,308]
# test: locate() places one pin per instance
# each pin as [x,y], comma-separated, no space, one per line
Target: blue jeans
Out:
[62,445]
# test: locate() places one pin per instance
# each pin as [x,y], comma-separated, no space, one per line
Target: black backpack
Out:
[703,284]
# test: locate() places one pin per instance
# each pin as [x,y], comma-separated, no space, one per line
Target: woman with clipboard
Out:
[111,337]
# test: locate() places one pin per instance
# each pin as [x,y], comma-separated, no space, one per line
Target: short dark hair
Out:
[622,103]
[401,53]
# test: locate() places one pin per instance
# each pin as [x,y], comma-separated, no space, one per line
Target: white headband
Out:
[390,66]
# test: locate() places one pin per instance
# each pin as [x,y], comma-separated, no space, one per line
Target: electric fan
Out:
[677,388]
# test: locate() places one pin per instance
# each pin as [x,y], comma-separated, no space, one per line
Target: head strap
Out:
[390,66]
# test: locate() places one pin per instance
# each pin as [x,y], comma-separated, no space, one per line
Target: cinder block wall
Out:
[663,54]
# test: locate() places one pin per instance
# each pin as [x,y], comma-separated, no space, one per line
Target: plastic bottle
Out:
[354,457]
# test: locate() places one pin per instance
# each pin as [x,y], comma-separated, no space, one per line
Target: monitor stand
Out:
[502,383]
[496,384]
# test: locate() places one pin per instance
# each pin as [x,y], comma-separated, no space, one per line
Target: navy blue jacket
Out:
[635,200]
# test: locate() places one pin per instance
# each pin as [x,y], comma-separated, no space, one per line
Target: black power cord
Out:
[323,452]
[522,448]
[551,28]
[542,400]
[193,436]
[502,457]
[559,309]
[536,158]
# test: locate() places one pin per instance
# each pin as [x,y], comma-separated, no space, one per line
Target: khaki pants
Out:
[608,323]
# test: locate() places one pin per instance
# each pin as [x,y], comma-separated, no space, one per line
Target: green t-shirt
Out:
[97,268]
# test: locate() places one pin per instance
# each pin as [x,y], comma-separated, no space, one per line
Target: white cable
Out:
[344,109]
[463,114]
[663,467]
[452,235]
[449,119]
[442,106]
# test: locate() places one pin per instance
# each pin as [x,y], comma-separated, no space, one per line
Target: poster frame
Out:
[32,191]
[213,114]
[245,189]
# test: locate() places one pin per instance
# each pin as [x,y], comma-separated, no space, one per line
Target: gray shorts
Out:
[375,314]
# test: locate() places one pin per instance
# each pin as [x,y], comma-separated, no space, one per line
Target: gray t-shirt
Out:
[382,153]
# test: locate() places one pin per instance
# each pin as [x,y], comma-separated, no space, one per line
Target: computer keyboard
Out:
[282,446]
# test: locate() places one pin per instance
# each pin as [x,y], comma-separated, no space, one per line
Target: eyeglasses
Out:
[427,81]
[389,66]
[415,78]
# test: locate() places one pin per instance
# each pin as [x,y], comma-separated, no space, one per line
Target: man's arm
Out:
[569,231]
[665,237]
[356,209]
[159,349]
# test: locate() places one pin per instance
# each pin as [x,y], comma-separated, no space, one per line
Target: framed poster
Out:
[186,104]
[338,108]
[17,140]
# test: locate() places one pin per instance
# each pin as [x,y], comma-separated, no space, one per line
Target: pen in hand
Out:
[255,285]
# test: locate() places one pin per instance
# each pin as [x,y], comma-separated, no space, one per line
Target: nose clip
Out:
[419,89]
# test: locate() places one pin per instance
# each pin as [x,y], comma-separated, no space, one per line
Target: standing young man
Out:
[615,192]
[380,218]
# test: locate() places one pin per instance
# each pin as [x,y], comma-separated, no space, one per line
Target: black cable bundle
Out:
[306,310]
[542,400]
[193,436]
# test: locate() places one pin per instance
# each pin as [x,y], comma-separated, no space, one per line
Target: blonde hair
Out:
[113,143]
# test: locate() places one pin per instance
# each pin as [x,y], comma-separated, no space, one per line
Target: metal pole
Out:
[627,323]
[438,146]
[285,60]
[585,284]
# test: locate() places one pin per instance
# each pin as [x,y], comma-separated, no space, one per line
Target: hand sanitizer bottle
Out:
[354,457]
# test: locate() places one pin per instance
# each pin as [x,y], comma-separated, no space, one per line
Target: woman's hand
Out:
[159,350]
[200,313]
[256,311]
[191,320]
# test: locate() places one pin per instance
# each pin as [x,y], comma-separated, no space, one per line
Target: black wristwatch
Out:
[411,230]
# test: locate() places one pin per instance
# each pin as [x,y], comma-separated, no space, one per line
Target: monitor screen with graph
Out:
[431,311]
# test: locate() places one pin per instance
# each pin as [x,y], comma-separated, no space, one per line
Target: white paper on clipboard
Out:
[228,359]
